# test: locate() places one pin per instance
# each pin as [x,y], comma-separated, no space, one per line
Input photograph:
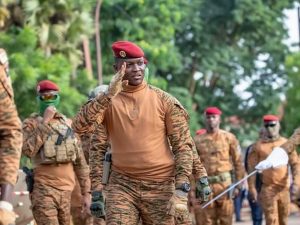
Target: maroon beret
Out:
[46,85]
[201,131]
[213,111]
[127,50]
[269,117]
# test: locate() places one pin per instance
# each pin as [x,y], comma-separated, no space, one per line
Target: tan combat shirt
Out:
[10,132]
[60,176]
[141,122]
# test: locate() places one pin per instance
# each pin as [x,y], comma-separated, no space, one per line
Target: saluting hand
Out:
[117,82]
[49,114]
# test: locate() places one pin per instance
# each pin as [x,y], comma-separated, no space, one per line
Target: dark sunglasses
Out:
[270,125]
[48,97]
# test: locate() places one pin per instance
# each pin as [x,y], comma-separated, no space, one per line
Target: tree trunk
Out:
[87,58]
[98,42]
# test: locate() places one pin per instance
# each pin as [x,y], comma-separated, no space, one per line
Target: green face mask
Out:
[43,104]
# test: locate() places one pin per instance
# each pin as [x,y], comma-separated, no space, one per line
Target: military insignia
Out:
[122,54]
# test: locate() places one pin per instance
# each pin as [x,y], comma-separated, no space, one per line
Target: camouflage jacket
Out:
[35,135]
[176,126]
[10,132]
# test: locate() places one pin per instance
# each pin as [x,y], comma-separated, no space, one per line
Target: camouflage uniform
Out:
[222,155]
[77,217]
[274,195]
[50,200]
[143,199]
[10,134]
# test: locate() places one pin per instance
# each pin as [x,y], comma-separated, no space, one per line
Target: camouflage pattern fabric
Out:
[50,206]
[222,153]
[128,200]
[10,132]
[176,123]
[219,212]
[274,195]
[275,202]
[293,142]
[99,145]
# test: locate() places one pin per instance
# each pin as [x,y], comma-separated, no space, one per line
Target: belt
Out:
[222,177]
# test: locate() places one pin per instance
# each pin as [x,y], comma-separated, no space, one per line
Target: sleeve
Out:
[295,167]
[99,145]
[10,134]
[236,157]
[180,139]
[198,168]
[35,134]
[252,162]
[292,143]
[81,169]
[91,113]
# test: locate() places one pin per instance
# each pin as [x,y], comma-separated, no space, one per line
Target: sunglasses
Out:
[48,97]
[270,125]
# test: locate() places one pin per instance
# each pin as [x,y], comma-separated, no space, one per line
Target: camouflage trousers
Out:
[50,206]
[219,212]
[78,219]
[183,217]
[275,202]
[128,200]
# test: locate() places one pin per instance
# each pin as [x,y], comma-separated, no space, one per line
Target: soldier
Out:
[56,157]
[274,195]
[222,155]
[142,122]
[78,216]
[11,143]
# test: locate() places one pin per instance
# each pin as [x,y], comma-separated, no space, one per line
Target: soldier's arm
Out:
[99,145]
[295,167]
[90,113]
[252,161]
[180,139]
[10,134]
[81,169]
[236,156]
[293,141]
[35,134]
[198,168]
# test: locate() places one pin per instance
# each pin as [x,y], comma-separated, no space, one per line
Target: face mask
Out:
[44,104]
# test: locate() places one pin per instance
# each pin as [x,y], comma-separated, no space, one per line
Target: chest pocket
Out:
[61,145]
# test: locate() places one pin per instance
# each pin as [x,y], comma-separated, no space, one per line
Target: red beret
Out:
[267,118]
[127,50]
[46,85]
[213,111]
[201,131]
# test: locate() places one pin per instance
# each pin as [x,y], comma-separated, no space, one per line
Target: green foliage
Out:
[291,118]
[28,65]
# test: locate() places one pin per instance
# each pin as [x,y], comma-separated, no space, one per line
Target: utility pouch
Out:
[106,167]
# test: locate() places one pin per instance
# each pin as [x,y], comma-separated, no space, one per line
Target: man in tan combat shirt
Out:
[222,158]
[142,122]
[10,142]
[274,196]
[56,157]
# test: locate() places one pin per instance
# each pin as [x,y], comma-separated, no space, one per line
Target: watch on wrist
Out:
[185,187]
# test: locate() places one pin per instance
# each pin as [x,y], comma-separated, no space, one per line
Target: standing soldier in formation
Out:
[10,142]
[142,122]
[56,157]
[78,216]
[222,155]
[274,195]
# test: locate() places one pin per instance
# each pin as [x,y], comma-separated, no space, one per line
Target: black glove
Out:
[29,178]
[97,205]
[203,190]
